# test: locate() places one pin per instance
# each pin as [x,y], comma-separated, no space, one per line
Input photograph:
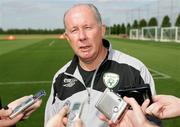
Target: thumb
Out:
[78,123]
[157,97]
[145,105]
[62,113]
[5,113]
[132,102]
[10,122]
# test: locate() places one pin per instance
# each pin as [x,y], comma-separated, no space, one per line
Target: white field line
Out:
[159,75]
[155,74]
[51,43]
[25,82]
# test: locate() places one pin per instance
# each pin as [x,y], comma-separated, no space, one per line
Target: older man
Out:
[95,66]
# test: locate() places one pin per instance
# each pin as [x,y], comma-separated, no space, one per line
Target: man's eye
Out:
[88,27]
[73,31]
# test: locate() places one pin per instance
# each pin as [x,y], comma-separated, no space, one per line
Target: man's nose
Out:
[82,35]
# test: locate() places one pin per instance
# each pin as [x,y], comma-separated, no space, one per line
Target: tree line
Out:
[116,29]
[32,31]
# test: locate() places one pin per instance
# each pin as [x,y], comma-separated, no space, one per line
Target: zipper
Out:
[92,82]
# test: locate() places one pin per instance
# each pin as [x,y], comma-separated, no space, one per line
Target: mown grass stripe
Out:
[25,82]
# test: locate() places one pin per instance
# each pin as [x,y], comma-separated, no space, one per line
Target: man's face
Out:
[84,33]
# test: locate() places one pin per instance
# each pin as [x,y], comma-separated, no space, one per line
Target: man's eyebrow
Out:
[74,27]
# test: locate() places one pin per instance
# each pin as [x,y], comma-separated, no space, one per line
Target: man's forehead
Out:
[78,8]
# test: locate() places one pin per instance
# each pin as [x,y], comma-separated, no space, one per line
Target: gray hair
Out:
[93,8]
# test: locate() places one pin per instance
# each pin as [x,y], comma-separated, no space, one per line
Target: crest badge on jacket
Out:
[111,79]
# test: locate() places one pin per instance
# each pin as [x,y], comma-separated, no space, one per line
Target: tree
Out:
[177,23]
[123,29]
[142,23]
[118,29]
[111,30]
[135,24]
[166,22]
[153,22]
[1,31]
[108,30]
[128,27]
[114,29]
[32,31]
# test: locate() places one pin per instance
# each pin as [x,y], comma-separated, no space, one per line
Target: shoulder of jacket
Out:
[123,58]
[62,70]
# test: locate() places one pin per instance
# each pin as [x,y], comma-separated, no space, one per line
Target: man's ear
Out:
[103,27]
[66,36]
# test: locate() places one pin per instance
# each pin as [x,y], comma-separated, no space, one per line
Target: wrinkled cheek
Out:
[74,47]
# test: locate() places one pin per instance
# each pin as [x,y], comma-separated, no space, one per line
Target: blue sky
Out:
[49,13]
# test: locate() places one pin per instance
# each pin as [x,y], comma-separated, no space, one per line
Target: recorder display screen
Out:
[76,106]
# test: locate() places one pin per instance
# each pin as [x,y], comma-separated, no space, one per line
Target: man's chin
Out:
[86,59]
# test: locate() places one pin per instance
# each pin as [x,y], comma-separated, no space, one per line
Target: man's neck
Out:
[94,64]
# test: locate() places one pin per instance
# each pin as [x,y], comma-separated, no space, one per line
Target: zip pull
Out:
[89,96]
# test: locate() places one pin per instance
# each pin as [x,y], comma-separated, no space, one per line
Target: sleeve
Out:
[53,104]
[50,107]
[148,79]
[53,107]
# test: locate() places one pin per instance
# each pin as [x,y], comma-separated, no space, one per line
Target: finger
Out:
[15,103]
[133,103]
[154,109]
[62,115]
[38,103]
[63,112]
[24,118]
[122,123]
[145,105]
[65,121]
[10,122]
[78,123]
[127,119]
[157,97]
[158,111]
[32,108]
[150,108]
[27,114]
[103,118]
[35,106]
[111,123]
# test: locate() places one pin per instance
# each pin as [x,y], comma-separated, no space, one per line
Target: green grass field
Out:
[29,63]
